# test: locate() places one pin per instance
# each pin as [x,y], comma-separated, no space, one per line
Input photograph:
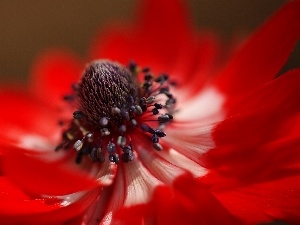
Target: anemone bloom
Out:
[173,140]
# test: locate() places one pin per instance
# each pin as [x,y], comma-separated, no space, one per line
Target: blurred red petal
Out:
[157,40]
[261,130]
[23,112]
[263,55]
[265,201]
[53,74]
[165,29]
[165,19]
[196,62]
[276,101]
[15,202]
[10,191]
[48,211]
[40,177]
[281,93]
[115,43]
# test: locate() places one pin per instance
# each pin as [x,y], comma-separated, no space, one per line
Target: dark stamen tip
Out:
[77,115]
[158,106]
[127,157]
[158,146]
[154,138]
[147,128]
[132,66]
[121,141]
[96,155]
[122,128]
[69,98]
[78,145]
[150,100]
[165,118]
[146,70]
[115,110]
[103,121]
[155,111]
[160,133]
[114,158]
[111,147]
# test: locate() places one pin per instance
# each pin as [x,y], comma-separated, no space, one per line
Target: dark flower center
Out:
[113,108]
[106,85]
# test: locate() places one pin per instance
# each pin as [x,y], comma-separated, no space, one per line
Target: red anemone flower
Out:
[173,140]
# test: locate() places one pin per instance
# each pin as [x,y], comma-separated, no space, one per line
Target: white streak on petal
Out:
[206,103]
[183,162]
[107,219]
[192,152]
[106,173]
[95,212]
[191,140]
[160,168]
[140,183]
[117,198]
[34,142]
[71,198]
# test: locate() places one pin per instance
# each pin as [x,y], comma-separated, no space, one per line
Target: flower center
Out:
[105,86]
[112,108]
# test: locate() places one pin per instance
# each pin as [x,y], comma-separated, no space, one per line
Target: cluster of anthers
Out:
[112,106]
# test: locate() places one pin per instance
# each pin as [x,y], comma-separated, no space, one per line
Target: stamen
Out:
[150,100]
[161,79]
[112,107]
[158,146]
[154,138]
[78,145]
[165,118]
[146,70]
[115,110]
[77,115]
[111,147]
[160,133]
[96,155]
[103,122]
[122,129]
[105,132]
[114,158]
[121,141]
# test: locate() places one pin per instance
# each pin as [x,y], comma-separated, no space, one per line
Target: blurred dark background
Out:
[29,27]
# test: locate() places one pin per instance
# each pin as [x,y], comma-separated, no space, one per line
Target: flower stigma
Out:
[114,106]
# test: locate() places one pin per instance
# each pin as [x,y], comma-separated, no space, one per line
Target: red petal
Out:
[44,211]
[196,62]
[266,201]
[161,22]
[53,74]
[162,39]
[22,112]
[281,93]
[165,19]
[10,191]
[264,54]
[41,177]
[14,202]
[260,139]
[187,202]
[114,43]
[269,105]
